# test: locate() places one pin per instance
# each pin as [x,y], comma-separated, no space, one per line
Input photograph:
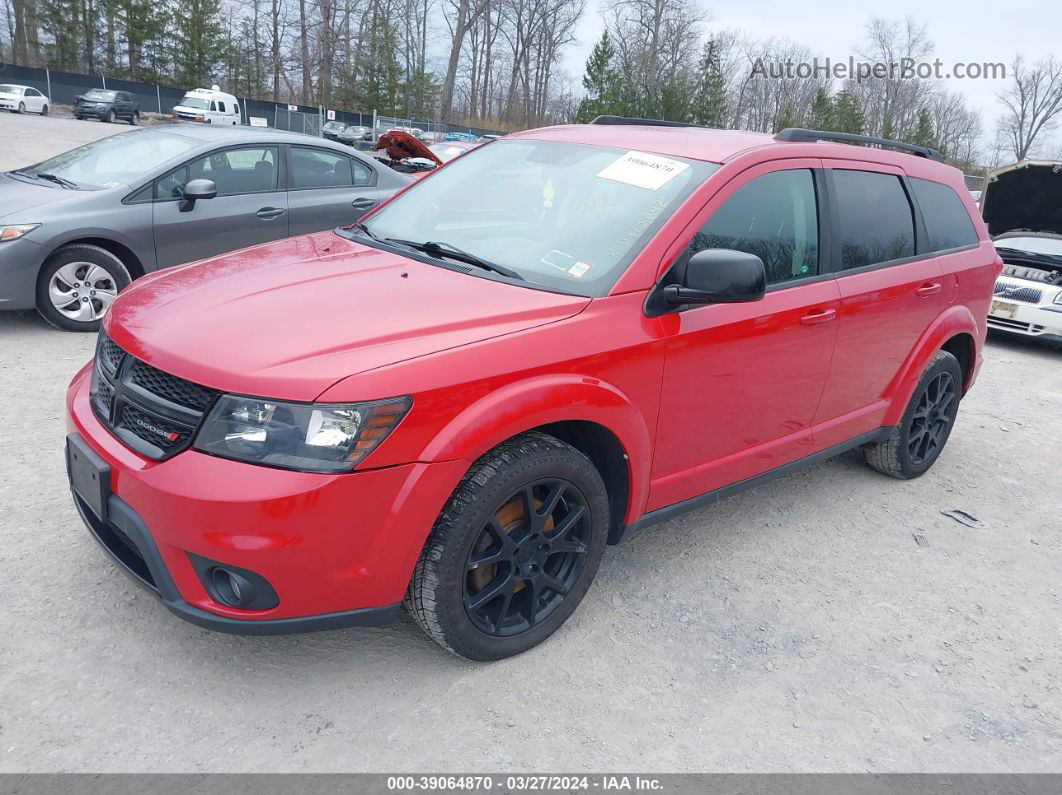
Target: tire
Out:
[65,273]
[21,107]
[109,118]
[538,570]
[135,119]
[915,444]
[44,111]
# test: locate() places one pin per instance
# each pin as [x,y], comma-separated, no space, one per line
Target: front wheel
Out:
[78,284]
[513,552]
[21,107]
[110,117]
[916,443]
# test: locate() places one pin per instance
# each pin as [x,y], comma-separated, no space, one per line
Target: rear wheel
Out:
[135,118]
[78,284]
[514,550]
[916,443]
[44,111]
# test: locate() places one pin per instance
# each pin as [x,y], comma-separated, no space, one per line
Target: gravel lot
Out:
[796,627]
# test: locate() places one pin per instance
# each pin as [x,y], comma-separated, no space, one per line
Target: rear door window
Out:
[876,219]
[947,222]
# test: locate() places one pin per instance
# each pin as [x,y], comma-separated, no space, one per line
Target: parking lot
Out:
[799,626]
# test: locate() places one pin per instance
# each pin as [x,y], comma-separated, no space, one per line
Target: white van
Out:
[208,105]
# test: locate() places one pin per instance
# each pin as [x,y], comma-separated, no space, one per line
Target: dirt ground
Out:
[795,627]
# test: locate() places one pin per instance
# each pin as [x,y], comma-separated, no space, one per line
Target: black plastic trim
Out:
[802,135]
[122,516]
[712,497]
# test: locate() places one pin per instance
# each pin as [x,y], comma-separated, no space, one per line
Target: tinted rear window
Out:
[947,222]
[876,221]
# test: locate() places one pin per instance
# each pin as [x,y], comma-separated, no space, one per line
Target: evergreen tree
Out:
[709,103]
[602,83]
[199,41]
[887,129]
[848,116]
[924,134]
[787,118]
[382,83]
[822,111]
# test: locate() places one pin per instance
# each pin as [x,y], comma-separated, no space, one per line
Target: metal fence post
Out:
[103,77]
[48,78]
[158,96]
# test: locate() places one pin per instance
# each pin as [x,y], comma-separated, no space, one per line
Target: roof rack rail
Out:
[799,134]
[643,122]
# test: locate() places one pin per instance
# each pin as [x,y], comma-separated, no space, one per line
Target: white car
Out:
[22,99]
[1022,205]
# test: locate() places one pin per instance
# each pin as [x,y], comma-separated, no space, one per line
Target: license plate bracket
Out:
[90,475]
[1003,308]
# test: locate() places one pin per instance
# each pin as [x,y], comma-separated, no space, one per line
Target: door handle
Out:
[269,213]
[363,204]
[817,318]
[926,290]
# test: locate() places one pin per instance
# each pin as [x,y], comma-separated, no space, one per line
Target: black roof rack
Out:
[643,122]
[799,134]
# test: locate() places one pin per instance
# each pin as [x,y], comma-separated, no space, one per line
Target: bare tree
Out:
[1032,101]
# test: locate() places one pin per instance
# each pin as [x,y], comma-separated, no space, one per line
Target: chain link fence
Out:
[63,87]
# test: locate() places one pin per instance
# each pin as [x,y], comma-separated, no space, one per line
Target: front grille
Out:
[174,389]
[151,411]
[1013,292]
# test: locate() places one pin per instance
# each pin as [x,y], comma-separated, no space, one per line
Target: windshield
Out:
[10,89]
[99,93]
[194,102]
[1034,245]
[115,160]
[569,217]
[334,126]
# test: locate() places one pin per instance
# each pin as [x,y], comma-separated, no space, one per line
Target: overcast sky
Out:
[961,30]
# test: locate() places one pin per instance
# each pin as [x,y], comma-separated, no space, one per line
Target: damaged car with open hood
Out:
[1022,206]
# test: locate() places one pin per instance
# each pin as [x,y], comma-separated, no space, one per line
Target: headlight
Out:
[311,437]
[16,231]
[1058,298]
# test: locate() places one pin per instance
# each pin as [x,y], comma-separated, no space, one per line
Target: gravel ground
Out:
[795,627]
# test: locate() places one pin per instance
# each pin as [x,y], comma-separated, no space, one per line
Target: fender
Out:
[541,400]
[956,319]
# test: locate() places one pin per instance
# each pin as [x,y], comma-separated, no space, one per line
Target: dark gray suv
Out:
[76,229]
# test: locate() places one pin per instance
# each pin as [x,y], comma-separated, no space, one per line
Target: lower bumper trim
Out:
[126,520]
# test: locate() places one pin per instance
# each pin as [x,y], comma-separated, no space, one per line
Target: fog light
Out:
[232,588]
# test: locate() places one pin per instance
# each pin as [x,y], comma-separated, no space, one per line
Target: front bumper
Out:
[337,549]
[86,112]
[1043,321]
[20,262]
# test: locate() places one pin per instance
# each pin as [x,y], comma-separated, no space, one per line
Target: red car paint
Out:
[321,318]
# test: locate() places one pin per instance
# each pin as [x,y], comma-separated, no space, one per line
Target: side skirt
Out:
[712,497]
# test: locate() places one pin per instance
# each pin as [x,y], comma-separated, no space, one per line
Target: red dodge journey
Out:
[456,403]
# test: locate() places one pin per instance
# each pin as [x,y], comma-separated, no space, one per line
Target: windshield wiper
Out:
[439,249]
[363,228]
[58,180]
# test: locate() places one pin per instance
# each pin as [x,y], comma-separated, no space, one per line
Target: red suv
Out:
[560,337]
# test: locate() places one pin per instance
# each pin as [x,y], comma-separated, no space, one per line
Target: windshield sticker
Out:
[548,193]
[643,170]
[558,260]
[579,269]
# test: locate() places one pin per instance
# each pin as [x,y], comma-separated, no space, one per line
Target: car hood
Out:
[19,197]
[288,319]
[1026,196]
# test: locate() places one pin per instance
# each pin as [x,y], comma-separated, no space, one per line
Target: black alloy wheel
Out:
[931,421]
[527,557]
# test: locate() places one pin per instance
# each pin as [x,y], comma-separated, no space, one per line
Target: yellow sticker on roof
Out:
[643,170]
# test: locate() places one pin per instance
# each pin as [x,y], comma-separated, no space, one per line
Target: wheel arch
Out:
[955,331]
[594,417]
[124,253]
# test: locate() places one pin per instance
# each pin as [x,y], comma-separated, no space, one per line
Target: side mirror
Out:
[195,190]
[719,276]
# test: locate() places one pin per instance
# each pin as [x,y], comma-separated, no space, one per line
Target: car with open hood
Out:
[78,228]
[1022,206]
[558,339]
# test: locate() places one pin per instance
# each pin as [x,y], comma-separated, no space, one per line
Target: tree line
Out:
[495,63]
